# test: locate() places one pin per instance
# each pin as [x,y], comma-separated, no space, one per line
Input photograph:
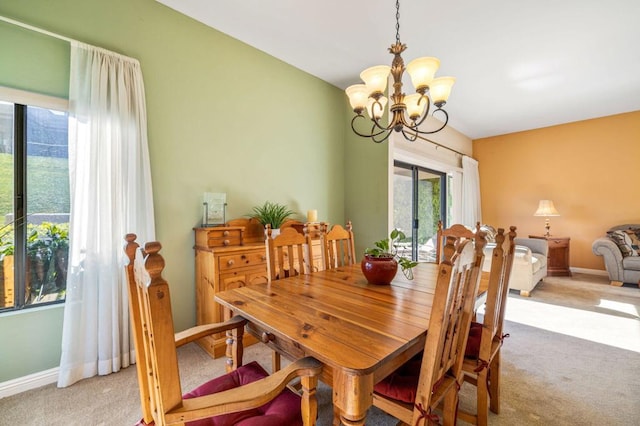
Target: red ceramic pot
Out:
[379,270]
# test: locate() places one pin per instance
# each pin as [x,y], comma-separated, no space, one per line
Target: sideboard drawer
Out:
[228,236]
[242,260]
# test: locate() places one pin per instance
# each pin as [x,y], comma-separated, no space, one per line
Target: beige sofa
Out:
[529,264]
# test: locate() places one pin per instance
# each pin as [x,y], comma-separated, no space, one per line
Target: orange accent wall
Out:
[590,169]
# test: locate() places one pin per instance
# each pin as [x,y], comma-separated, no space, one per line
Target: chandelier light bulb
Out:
[375,109]
[422,70]
[375,79]
[358,94]
[415,105]
[441,89]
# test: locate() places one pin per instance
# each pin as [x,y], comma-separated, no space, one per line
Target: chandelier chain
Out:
[398,21]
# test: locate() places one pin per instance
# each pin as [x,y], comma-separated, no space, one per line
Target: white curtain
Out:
[110,182]
[471,207]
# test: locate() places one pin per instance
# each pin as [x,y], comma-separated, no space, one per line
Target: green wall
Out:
[222,117]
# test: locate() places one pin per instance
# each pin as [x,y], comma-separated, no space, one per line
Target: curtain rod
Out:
[439,145]
[36,29]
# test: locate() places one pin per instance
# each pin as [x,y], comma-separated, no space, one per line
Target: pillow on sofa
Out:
[623,241]
[634,236]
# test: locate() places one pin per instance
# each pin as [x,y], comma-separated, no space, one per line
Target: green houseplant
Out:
[47,247]
[273,214]
[381,262]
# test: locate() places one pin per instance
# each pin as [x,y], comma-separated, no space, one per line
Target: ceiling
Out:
[518,64]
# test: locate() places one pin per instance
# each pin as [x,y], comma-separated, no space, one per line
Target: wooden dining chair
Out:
[246,393]
[338,246]
[287,256]
[314,231]
[414,391]
[287,253]
[458,231]
[481,366]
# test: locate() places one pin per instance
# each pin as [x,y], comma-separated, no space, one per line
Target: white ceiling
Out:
[519,64]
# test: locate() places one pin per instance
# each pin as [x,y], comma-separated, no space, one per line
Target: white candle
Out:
[312,215]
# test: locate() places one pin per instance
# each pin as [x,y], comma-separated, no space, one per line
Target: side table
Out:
[558,257]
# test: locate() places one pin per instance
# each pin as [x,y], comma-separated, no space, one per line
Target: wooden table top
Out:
[339,318]
[359,331]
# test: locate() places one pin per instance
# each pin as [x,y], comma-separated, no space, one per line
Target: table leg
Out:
[352,397]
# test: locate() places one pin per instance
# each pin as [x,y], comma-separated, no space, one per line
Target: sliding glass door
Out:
[420,200]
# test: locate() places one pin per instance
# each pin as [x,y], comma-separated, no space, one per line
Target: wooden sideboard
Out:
[223,263]
[229,257]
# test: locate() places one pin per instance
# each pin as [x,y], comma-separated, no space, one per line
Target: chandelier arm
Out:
[376,124]
[424,132]
[408,136]
[383,139]
[372,134]
[426,111]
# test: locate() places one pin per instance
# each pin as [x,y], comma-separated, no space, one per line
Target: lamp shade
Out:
[441,89]
[415,107]
[376,78]
[546,208]
[422,71]
[358,95]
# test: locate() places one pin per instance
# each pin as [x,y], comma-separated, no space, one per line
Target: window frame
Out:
[21,100]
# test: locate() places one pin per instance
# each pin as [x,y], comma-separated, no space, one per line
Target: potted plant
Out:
[272,214]
[380,263]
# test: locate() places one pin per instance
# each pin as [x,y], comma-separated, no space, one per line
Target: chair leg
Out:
[309,400]
[449,410]
[494,384]
[482,398]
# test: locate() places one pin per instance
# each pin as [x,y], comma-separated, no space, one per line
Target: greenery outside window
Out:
[34,204]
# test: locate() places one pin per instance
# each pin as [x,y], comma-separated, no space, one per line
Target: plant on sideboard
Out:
[273,214]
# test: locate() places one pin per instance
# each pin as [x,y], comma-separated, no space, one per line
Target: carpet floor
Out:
[572,358]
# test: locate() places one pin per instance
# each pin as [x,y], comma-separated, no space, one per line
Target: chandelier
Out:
[407,112]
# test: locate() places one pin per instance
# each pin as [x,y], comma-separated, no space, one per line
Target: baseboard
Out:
[590,271]
[32,381]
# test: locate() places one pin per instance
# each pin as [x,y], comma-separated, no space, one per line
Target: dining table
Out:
[360,332]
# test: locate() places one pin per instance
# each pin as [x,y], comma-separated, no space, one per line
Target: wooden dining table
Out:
[360,332]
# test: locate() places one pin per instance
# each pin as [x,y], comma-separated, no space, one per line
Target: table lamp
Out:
[546,209]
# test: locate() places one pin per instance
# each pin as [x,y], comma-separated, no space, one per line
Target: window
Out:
[420,200]
[34,202]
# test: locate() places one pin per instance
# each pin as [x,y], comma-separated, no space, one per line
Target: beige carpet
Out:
[572,358]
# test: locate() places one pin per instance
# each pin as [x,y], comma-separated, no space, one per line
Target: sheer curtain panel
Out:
[111,195]
[471,207]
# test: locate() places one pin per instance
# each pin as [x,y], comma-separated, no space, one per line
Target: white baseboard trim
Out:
[590,271]
[32,381]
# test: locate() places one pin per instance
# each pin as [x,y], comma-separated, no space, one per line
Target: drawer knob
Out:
[263,257]
[267,337]
[230,262]
[225,242]
[225,234]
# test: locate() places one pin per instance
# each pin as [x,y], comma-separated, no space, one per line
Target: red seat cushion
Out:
[473,343]
[284,410]
[402,384]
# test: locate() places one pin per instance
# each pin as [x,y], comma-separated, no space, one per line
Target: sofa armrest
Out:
[536,245]
[612,257]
